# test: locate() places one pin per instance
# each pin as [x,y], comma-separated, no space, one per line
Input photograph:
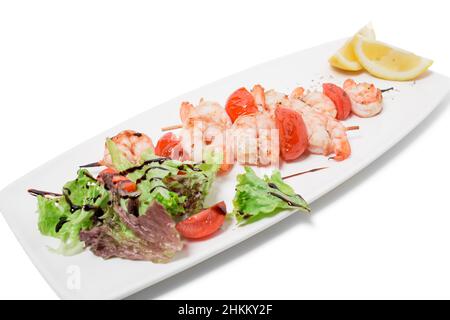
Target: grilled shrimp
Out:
[325,134]
[204,129]
[260,98]
[268,101]
[320,102]
[131,143]
[276,99]
[255,140]
[366,98]
[318,137]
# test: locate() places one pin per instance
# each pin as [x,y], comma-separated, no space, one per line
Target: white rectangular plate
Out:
[404,108]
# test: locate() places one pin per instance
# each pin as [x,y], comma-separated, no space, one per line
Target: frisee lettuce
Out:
[180,187]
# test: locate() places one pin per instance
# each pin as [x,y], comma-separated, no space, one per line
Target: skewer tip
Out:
[35,193]
[91,165]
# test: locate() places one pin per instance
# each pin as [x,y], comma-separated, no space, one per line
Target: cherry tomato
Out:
[292,132]
[204,223]
[124,183]
[240,102]
[119,181]
[166,144]
[107,171]
[340,99]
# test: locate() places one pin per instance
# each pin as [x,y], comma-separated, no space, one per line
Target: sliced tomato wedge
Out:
[240,102]
[340,99]
[204,223]
[292,132]
[166,144]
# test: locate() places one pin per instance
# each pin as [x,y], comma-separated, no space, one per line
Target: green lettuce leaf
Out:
[258,198]
[64,217]
[85,190]
[118,159]
[151,184]
[181,187]
[193,185]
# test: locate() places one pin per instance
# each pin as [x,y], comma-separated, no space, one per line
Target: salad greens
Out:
[181,187]
[95,209]
[258,198]
[64,217]
[150,237]
[131,211]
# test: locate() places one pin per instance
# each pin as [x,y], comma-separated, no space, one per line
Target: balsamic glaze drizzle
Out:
[139,167]
[144,176]
[279,196]
[161,186]
[289,202]
[60,223]
[74,207]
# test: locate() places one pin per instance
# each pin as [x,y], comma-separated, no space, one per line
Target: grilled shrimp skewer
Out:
[325,134]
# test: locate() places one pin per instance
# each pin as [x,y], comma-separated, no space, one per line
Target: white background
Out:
[71,69]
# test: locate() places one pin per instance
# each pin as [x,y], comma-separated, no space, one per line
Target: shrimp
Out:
[325,134]
[338,135]
[275,99]
[255,140]
[203,130]
[208,111]
[268,101]
[260,98]
[320,102]
[131,143]
[366,98]
[318,137]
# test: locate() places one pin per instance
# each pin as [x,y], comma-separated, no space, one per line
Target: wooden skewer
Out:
[179,126]
[352,128]
[36,193]
[91,165]
[174,127]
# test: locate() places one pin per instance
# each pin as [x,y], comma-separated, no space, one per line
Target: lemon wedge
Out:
[345,58]
[387,62]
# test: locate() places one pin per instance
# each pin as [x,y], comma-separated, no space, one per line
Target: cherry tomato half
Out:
[107,171]
[124,183]
[119,181]
[340,99]
[166,144]
[292,132]
[240,102]
[204,223]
